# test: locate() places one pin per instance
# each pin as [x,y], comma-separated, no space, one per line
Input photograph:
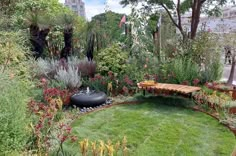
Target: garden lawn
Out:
[157,128]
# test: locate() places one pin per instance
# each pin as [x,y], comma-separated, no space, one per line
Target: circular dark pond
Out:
[87,98]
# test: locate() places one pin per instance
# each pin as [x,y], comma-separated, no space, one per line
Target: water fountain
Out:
[88,98]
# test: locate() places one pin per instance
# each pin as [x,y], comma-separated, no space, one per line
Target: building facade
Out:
[223,24]
[77,6]
[229,13]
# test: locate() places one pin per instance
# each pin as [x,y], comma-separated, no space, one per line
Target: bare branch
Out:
[179,26]
[169,14]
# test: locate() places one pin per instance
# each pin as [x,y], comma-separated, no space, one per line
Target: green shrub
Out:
[202,53]
[112,59]
[183,69]
[213,70]
[57,84]
[111,84]
[13,117]
[98,83]
[14,86]
[135,70]
[139,67]
[12,49]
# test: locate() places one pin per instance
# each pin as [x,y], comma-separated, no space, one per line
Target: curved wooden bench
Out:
[183,89]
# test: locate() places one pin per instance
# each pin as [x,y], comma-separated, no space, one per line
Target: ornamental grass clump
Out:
[13,119]
[184,69]
[87,68]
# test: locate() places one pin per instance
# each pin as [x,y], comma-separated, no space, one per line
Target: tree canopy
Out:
[105,26]
[176,10]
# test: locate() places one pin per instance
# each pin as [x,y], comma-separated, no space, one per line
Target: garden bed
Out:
[222,87]
[215,100]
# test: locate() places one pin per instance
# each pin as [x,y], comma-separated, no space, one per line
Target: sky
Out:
[94,7]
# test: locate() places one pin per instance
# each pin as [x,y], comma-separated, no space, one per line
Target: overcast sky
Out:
[94,7]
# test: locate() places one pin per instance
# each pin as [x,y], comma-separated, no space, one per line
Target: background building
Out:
[223,24]
[229,13]
[77,6]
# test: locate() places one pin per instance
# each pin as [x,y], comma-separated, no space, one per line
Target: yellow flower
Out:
[214,94]
[94,150]
[125,151]
[109,87]
[84,146]
[117,146]
[110,150]
[124,142]
[101,148]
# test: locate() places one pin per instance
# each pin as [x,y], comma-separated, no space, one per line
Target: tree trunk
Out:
[38,40]
[196,11]
[156,45]
[34,33]
[97,41]
[90,46]
[68,34]
[231,75]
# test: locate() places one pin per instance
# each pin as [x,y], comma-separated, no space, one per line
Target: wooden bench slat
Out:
[171,87]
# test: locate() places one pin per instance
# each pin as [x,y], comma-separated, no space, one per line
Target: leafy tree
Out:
[106,30]
[174,11]
[39,15]
[164,33]
[102,31]
[141,36]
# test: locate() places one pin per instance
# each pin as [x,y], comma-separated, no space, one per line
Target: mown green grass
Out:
[157,128]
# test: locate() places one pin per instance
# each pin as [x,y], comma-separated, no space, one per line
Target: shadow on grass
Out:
[171,101]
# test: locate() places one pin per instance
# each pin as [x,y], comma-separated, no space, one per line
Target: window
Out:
[74,7]
[231,13]
[225,14]
[73,1]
